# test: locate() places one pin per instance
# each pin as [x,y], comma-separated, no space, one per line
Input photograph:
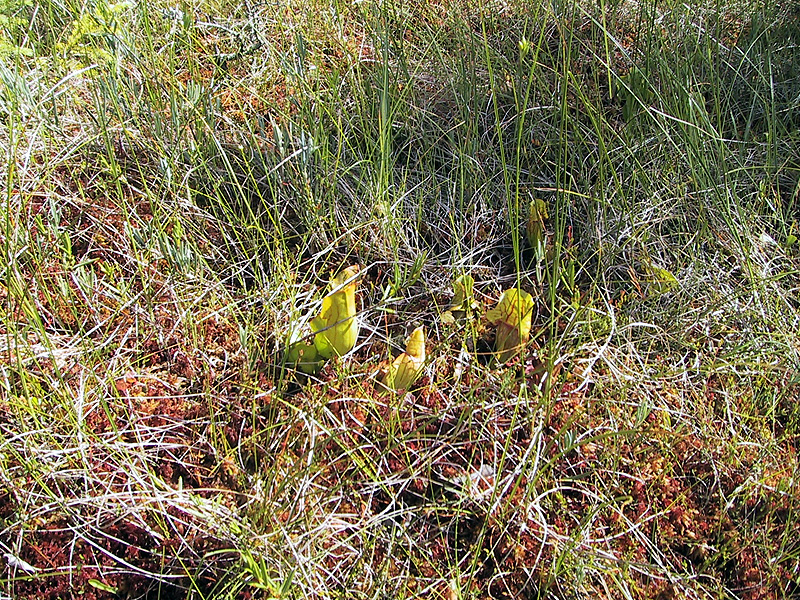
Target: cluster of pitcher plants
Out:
[334,331]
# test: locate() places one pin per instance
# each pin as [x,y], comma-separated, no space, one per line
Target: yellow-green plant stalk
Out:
[336,327]
[535,228]
[512,316]
[406,368]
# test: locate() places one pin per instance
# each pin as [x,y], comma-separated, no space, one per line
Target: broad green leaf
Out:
[463,299]
[660,280]
[337,325]
[405,369]
[462,293]
[304,356]
[512,316]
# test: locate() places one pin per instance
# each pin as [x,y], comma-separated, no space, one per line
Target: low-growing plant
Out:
[513,317]
[463,303]
[406,368]
[335,329]
[536,228]
[337,326]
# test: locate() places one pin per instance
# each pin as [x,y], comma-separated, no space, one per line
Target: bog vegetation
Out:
[456,299]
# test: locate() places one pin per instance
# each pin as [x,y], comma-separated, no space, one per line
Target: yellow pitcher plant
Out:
[512,316]
[405,369]
[334,330]
[337,326]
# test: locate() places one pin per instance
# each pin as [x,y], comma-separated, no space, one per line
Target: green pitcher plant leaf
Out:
[512,316]
[406,368]
[462,296]
[535,228]
[660,280]
[463,299]
[304,356]
[336,327]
